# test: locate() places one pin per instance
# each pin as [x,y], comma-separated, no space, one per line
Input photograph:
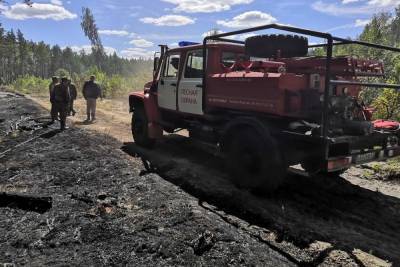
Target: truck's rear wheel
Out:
[140,130]
[312,166]
[254,162]
[335,173]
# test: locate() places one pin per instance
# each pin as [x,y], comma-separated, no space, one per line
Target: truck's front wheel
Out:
[254,162]
[140,130]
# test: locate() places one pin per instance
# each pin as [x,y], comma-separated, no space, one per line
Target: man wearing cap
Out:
[73,93]
[91,92]
[62,98]
[54,82]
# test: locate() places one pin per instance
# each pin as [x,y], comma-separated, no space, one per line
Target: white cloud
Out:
[135,53]
[133,35]
[240,37]
[141,43]
[248,19]
[168,20]
[161,37]
[356,24]
[337,10]
[212,32]
[87,49]
[56,2]
[243,37]
[345,2]
[384,3]
[22,11]
[361,22]
[109,50]
[367,7]
[205,6]
[114,32]
[3,7]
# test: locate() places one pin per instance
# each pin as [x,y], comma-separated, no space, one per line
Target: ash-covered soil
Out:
[349,224]
[176,207]
[104,212]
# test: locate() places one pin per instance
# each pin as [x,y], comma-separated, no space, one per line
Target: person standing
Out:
[62,99]
[73,93]
[53,114]
[91,92]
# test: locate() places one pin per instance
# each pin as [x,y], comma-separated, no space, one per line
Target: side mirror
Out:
[156,63]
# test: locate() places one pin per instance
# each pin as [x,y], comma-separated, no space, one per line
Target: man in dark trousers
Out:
[91,92]
[61,98]
[73,93]
[54,82]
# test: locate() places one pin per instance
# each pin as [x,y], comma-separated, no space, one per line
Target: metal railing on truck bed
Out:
[330,42]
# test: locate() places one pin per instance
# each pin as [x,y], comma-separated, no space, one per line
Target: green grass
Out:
[389,170]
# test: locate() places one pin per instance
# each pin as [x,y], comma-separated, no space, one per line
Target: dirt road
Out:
[108,209]
[113,117]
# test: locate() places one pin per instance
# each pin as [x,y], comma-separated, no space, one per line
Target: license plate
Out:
[365,157]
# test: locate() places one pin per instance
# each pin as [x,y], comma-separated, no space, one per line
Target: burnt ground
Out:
[173,205]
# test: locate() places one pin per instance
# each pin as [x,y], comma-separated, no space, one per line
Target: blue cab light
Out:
[186,43]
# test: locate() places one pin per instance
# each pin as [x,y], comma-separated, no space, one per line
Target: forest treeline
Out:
[27,65]
[384,29]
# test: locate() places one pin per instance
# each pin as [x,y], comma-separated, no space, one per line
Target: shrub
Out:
[61,73]
[31,85]
[387,105]
[112,86]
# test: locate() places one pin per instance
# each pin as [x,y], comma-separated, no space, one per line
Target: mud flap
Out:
[155,130]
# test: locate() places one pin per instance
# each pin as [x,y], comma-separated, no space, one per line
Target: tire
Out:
[335,173]
[139,128]
[312,166]
[267,46]
[254,162]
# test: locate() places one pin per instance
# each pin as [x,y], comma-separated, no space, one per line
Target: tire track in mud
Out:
[257,234]
[304,211]
[25,125]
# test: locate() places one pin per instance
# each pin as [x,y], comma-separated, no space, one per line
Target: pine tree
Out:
[90,29]
[22,53]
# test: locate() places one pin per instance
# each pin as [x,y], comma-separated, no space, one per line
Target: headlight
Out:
[282,69]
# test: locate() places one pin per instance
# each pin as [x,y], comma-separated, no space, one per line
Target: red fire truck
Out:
[267,104]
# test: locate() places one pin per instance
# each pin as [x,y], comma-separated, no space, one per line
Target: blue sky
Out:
[134,28]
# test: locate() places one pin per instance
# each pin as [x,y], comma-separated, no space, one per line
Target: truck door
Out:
[190,92]
[168,82]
